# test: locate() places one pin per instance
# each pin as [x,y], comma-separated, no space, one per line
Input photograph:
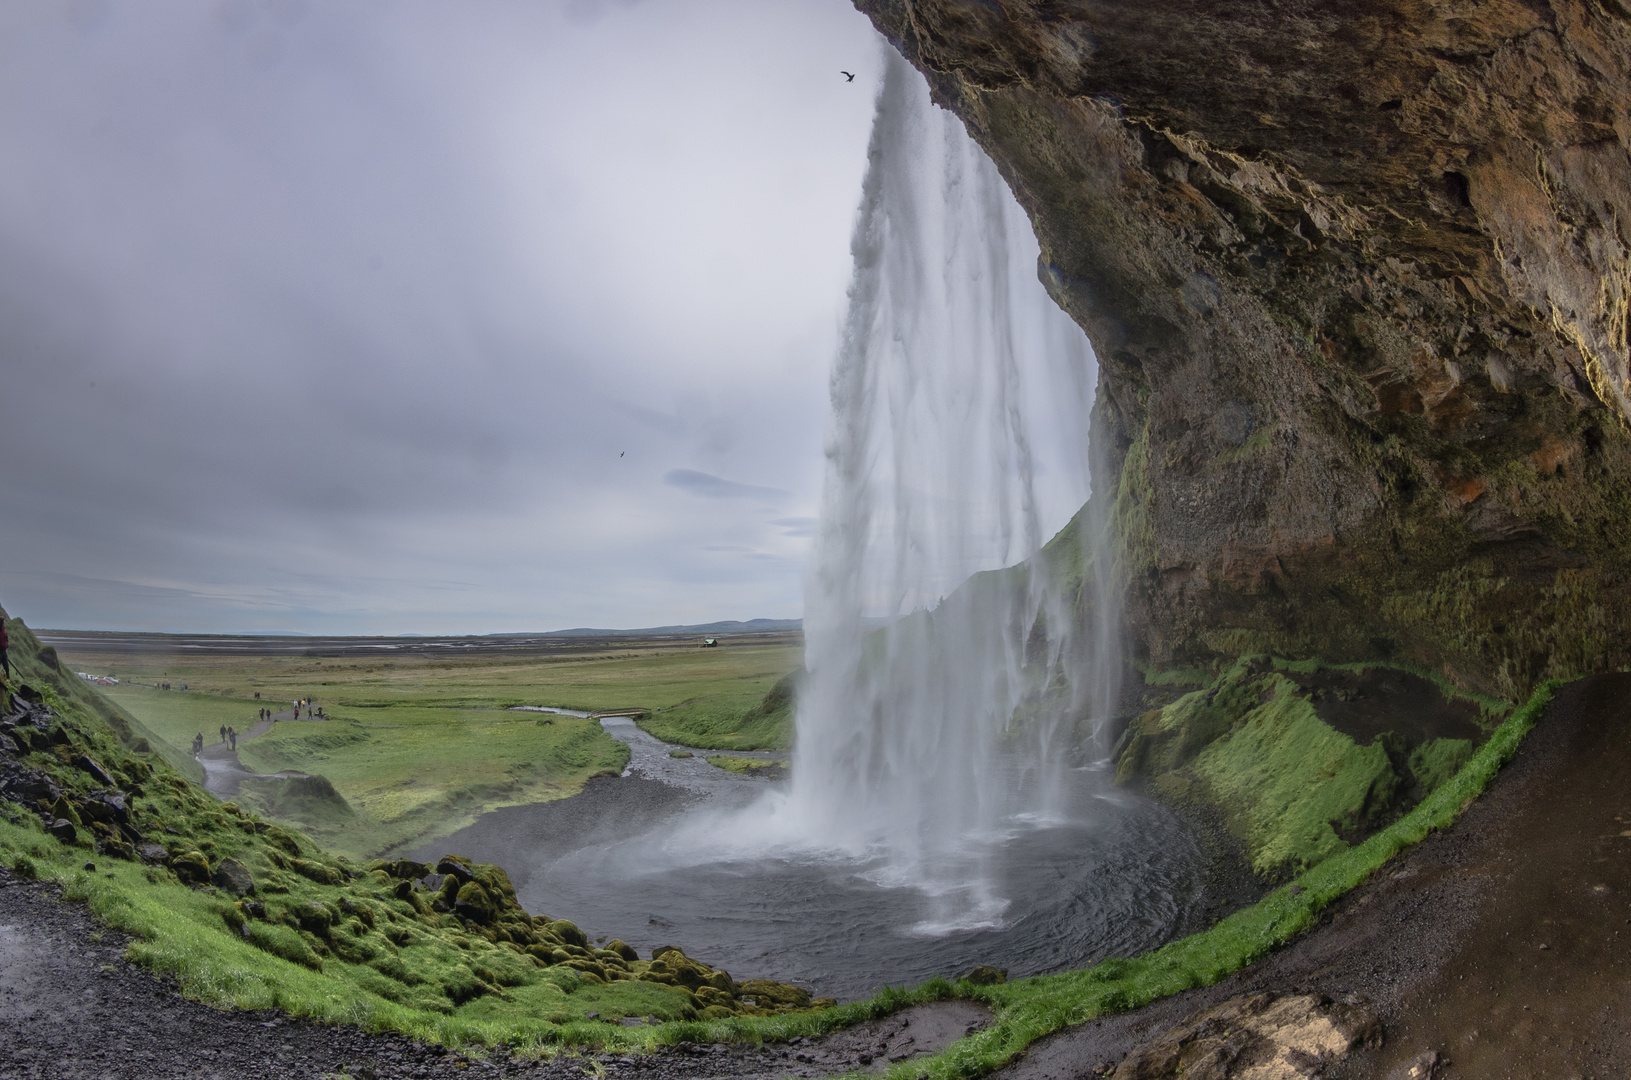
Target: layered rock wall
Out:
[1358,277]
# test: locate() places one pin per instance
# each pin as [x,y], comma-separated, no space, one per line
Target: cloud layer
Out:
[348,317]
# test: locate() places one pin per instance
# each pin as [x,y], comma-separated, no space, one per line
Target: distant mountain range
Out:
[729,626]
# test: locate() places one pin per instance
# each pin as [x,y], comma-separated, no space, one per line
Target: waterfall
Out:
[944,693]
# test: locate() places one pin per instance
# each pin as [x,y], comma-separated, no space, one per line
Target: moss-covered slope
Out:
[1303,760]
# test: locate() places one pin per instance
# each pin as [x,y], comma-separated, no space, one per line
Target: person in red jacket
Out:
[5,662]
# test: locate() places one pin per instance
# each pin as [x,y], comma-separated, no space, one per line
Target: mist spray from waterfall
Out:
[940,707]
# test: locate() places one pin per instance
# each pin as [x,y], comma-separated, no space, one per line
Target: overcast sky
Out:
[419,317]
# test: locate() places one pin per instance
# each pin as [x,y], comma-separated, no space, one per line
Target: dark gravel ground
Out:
[1497,948]
[74,1008]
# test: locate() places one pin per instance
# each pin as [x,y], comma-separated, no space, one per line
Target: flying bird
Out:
[620,453]
[847,76]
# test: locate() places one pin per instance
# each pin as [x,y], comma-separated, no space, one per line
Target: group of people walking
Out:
[230,736]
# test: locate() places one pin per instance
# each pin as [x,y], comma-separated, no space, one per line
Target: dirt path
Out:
[224,773]
[1498,948]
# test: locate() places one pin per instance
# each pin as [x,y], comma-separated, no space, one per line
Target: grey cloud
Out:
[308,318]
[715,487]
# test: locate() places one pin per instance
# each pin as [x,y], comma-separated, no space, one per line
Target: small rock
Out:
[1420,1067]
[152,853]
[90,867]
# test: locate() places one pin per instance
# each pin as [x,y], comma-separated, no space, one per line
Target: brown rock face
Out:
[1358,277]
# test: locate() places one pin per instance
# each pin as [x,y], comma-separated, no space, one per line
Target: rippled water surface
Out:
[1110,875]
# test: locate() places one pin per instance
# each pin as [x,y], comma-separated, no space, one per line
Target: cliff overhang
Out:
[1358,279]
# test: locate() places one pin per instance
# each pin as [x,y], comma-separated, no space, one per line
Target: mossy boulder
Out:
[458,866]
[473,902]
[234,877]
[191,866]
[64,809]
[316,871]
[568,932]
[281,840]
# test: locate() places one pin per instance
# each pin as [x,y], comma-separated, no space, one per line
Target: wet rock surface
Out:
[75,1008]
[1497,948]
[1258,1036]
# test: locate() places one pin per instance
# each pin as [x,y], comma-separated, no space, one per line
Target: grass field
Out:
[483,758]
[596,680]
[419,745]
[747,718]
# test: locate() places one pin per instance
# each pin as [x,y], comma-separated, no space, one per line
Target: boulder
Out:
[64,831]
[497,883]
[316,871]
[109,807]
[457,865]
[116,847]
[473,903]
[1257,1035]
[152,853]
[770,994]
[87,764]
[234,877]
[281,839]
[191,867]
[62,808]
[568,932]
[314,918]
[627,952]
